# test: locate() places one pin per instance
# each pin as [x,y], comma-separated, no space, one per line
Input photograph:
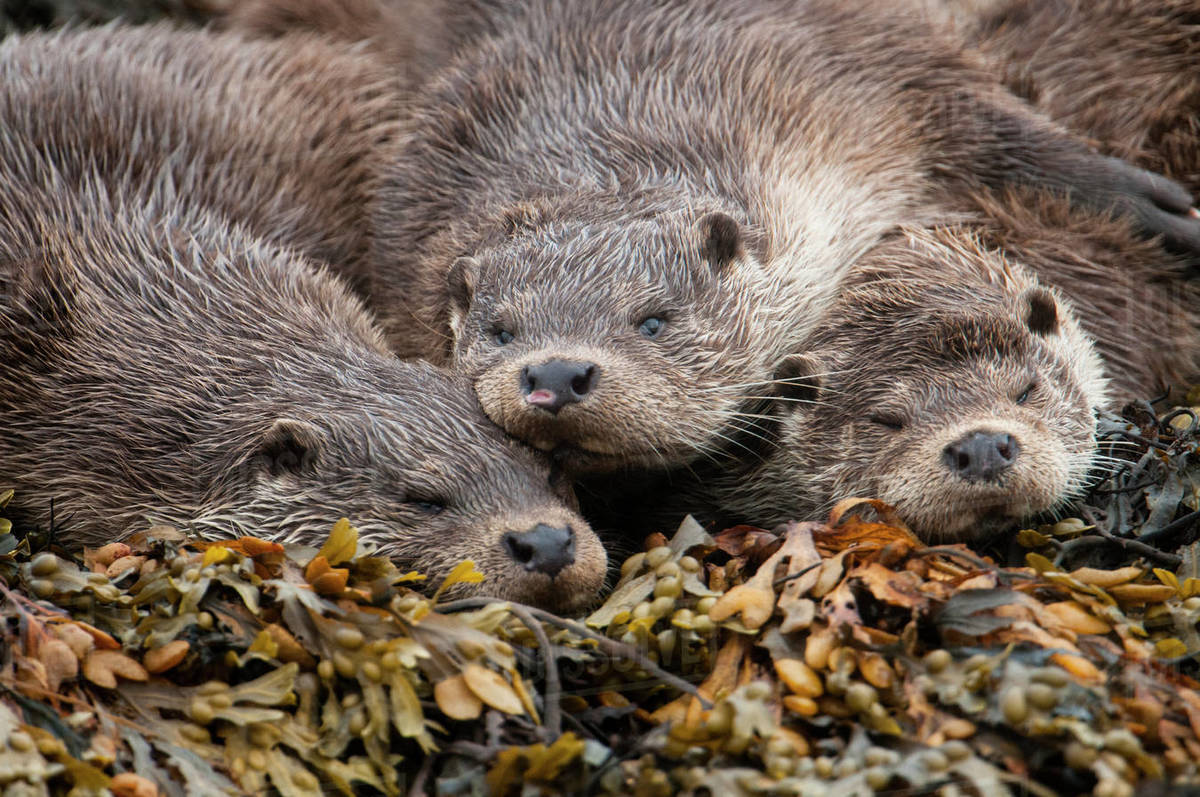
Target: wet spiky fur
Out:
[932,336]
[161,363]
[817,126]
[1125,73]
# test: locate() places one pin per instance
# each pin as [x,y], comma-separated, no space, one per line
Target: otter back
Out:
[1126,74]
[280,137]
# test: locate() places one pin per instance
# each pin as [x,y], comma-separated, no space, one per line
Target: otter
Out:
[615,216]
[944,379]
[1124,74]
[162,363]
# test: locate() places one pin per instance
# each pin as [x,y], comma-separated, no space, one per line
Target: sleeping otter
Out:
[943,379]
[161,363]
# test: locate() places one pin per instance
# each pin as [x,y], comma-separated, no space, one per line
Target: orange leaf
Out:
[166,656]
[103,666]
[331,582]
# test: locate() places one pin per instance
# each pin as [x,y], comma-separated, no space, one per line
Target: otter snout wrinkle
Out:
[543,549]
[981,456]
[557,383]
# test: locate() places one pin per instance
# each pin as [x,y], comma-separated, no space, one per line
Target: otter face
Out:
[947,383]
[277,416]
[430,482]
[613,342]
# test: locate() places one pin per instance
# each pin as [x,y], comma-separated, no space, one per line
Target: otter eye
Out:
[1021,399]
[890,421]
[428,506]
[651,326]
[502,337]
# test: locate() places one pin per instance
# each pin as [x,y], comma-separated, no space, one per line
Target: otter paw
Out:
[1160,205]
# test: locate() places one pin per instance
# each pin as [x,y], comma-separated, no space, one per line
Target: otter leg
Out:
[999,141]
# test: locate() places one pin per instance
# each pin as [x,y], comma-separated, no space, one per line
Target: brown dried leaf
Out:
[799,677]
[79,641]
[105,555]
[165,657]
[847,530]
[119,566]
[490,687]
[740,540]
[1141,593]
[102,667]
[1072,616]
[1106,578]
[127,784]
[896,588]
[288,649]
[332,582]
[60,662]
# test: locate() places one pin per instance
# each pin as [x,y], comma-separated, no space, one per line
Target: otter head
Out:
[428,480]
[183,373]
[945,381]
[613,331]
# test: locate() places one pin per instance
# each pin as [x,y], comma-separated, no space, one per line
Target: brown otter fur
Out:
[934,343]
[279,136]
[1125,73]
[413,37]
[161,363]
[1139,303]
[563,180]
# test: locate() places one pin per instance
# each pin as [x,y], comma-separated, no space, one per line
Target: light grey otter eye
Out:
[652,326]
[502,337]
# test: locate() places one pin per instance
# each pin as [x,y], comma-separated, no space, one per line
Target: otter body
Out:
[280,137]
[163,364]
[1124,73]
[414,38]
[616,216]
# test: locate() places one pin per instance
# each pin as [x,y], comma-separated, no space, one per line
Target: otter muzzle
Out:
[542,549]
[981,456]
[554,384]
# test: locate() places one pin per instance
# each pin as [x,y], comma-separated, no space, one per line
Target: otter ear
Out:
[290,446]
[1042,314]
[797,379]
[460,279]
[720,240]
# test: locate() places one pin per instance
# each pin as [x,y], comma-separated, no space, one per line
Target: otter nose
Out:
[981,456]
[542,549]
[557,383]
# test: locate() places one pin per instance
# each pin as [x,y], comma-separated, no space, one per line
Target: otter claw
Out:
[1160,205]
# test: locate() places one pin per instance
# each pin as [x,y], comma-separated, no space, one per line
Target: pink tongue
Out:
[540,398]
